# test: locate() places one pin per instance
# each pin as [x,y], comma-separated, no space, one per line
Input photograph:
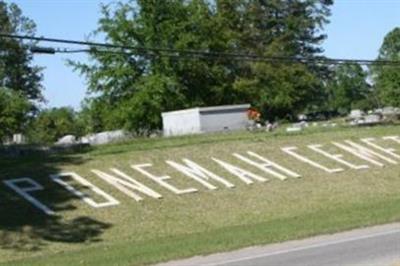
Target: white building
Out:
[205,119]
[15,139]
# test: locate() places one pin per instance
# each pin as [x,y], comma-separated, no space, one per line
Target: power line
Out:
[190,54]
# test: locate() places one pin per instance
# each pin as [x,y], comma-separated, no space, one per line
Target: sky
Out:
[356,31]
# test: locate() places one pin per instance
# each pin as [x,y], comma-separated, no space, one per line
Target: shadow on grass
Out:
[26,228]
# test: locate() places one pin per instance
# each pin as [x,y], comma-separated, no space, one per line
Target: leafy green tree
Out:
[283,29]
[387,78]
[91,116]
[13,113]
[349,89]
[16,69]
[19,78]
[135,89]
[54,123]
[278,90]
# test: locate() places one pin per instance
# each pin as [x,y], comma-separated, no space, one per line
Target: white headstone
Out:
[356,114]
[104,137]
[66,140]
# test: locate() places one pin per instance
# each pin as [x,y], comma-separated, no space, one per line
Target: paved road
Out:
[379,245]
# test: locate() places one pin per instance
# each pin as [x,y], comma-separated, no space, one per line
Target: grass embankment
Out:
[135,233]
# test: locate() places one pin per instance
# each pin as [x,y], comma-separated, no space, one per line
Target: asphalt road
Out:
[379,245]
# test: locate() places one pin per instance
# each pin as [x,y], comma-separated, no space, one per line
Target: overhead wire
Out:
[193,54]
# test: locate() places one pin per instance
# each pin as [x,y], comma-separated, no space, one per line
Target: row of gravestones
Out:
[94,139]
[356,117]
[376,116]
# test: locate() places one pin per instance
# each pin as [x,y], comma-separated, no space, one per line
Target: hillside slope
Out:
[220,198]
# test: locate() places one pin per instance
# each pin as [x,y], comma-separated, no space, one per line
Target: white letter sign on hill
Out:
[127,184]
[336,157]
[269,163]
[23,192]
[290,151]
[161,179]
[110,201]
[364,153]
[390,151]
[265,166]
[199,173]
[241,173]
[393,138]
[367,149]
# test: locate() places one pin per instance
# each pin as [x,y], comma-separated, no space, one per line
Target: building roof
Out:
[208,109]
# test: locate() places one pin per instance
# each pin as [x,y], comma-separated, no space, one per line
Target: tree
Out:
[13,110]
[19,78]
[387,78]
[54,123]
[280,91]
[283,29]
[349,89]
[137,88]
[16,69]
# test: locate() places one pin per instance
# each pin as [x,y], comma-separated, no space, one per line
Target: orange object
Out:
[253,114]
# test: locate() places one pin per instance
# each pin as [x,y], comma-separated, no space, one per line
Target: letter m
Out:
[198,173]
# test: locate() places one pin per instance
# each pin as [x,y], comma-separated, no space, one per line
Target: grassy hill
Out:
[153,230]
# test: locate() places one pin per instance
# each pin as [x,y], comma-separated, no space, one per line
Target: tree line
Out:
[130,91]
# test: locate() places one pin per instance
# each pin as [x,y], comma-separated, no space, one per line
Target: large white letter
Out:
[161,179]
[336,157]
[364,153]
[110,201]
[244,175]
[23,192]
[393,138]
[390,151]
[199,173]
[269,163]
[127,184]
[266,165]
[290,151]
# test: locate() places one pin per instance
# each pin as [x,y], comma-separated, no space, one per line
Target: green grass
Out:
[208,221]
